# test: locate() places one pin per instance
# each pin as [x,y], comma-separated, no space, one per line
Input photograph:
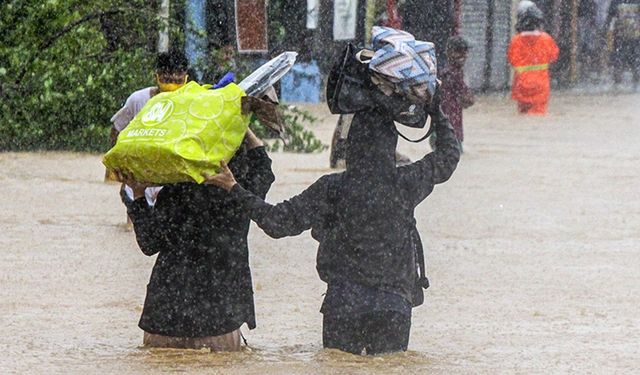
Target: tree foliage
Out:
[296,138]
[67,65]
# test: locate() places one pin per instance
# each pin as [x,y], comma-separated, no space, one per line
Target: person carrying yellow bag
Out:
[200,291]
[170,74]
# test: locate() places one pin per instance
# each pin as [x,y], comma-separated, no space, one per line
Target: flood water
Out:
[532,250]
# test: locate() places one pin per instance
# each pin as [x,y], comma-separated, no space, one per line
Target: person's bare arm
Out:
[138,188]
[224,179]
[252,140]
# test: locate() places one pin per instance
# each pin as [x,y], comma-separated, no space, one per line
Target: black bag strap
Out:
[424,281]
[429,132]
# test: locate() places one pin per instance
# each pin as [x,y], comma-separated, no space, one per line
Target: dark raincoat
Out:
[363,217]
[201,282]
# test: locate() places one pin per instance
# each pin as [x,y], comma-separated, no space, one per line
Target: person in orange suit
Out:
[530,52]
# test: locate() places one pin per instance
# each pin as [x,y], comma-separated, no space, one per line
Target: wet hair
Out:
[173,61]
[529,8]
[528,23]
[457,44]
[529,16]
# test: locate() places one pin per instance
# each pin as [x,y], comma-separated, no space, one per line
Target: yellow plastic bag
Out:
[179,135]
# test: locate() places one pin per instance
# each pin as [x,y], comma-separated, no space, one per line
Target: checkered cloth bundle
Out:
[406,64]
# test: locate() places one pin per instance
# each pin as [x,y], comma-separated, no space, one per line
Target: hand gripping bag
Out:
[179,135]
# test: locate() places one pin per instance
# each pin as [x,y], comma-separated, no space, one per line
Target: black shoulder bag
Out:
[349,84]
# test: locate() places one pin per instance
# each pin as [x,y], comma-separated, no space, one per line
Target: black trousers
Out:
[375,332]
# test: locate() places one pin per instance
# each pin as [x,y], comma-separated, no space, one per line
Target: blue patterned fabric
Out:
[407,64]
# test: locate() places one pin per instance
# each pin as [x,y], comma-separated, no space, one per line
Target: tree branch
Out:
[51,40]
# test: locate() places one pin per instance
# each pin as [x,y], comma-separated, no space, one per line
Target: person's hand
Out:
[269,113]
[433,107]
[224,179]
[127,178]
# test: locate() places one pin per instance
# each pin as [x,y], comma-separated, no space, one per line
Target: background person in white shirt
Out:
[170,74]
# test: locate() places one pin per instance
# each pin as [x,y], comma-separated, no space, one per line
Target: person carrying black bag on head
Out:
[363,220]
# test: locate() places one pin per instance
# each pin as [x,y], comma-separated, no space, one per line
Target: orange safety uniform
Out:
[530,53]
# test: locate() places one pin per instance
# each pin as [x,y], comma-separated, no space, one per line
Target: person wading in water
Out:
[363,220]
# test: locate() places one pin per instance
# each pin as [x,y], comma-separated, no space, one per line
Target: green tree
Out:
[66,66]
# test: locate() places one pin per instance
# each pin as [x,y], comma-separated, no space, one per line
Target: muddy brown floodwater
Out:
[532,249]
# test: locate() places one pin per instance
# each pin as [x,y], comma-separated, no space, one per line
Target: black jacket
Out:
[201,282]
[366,235]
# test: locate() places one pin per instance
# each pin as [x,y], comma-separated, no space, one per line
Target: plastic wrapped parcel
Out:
[262,78]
